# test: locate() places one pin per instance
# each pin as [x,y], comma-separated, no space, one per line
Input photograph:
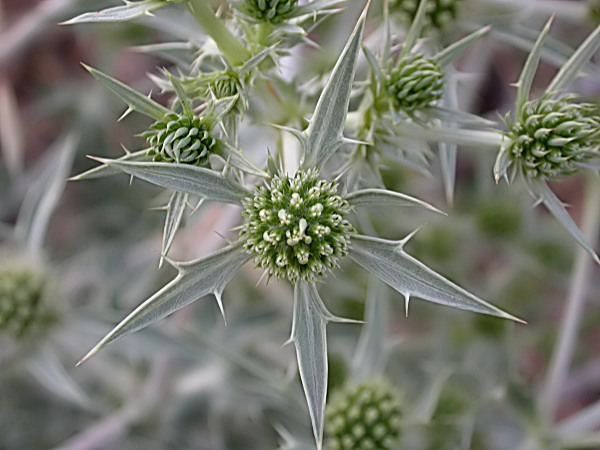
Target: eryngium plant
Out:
[552,136]
[298,237]
[364,416]
[416,82]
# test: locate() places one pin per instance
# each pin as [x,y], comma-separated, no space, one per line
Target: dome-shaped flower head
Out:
[181,139]
[274,11]
[296,226]
[438,15]
[364,416]
[22,307]
[552,136]
[416,82]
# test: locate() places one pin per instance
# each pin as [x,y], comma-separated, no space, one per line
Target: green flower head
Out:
[181,139]
[438,15]
[364,416]
[22,291]
[550,137]
[296,226]
[416,82]
[274,11]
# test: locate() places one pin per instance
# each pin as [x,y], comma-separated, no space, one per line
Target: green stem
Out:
[563,351]
[230,45]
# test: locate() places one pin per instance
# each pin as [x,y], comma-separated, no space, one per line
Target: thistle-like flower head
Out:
[551,136]
[274,11]
[21,301]
[296,226]
[227,84]
[364,416]
[415,82]
[438,15]
[181,139]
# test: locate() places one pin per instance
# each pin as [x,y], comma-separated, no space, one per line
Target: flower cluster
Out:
[21,294]
[364,416]
[551,136]
[415,82]
[181,139]
[438,15]
[296,226]
[273,11]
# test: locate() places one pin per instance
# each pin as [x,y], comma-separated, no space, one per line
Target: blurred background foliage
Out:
[466,381]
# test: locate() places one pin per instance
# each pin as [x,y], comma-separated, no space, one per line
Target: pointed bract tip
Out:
[88,355]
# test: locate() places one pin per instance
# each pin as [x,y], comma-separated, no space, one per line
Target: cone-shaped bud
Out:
[552,136]
[296,226]
[363,416]
[415,82]
[225,85]
[22,310]
[274,11]
[180,139]
[439,14]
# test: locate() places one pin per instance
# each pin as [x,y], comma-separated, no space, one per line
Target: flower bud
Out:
[180,139]
[551,136]
[274,11]
[364,416]
[22,308]
[438,15]
[416,82]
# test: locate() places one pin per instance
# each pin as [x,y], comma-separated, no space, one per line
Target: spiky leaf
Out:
[558,210]
[193,180]
[390,263]
[382,197]
[129,11]
[324,134]
[135,100]
[195,279]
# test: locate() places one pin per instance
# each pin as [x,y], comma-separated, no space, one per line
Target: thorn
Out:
[406,302]
[220,303]
[128,111]
[408,238]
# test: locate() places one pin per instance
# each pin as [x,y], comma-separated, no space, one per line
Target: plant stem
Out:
[561,357]
[230,45]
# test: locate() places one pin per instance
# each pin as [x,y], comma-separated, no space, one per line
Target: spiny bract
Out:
[438,15]
[21,294]
[364,416]
[296,226]
[416,82]
[270,10]
[552,136]
[180,139]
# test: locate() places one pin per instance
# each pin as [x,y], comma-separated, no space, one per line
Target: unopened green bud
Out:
[296,226]
[180,139]
[439,14]
[552,136]
[416,82]
[274,11]
[22,291]
[364,416]
[225,85]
